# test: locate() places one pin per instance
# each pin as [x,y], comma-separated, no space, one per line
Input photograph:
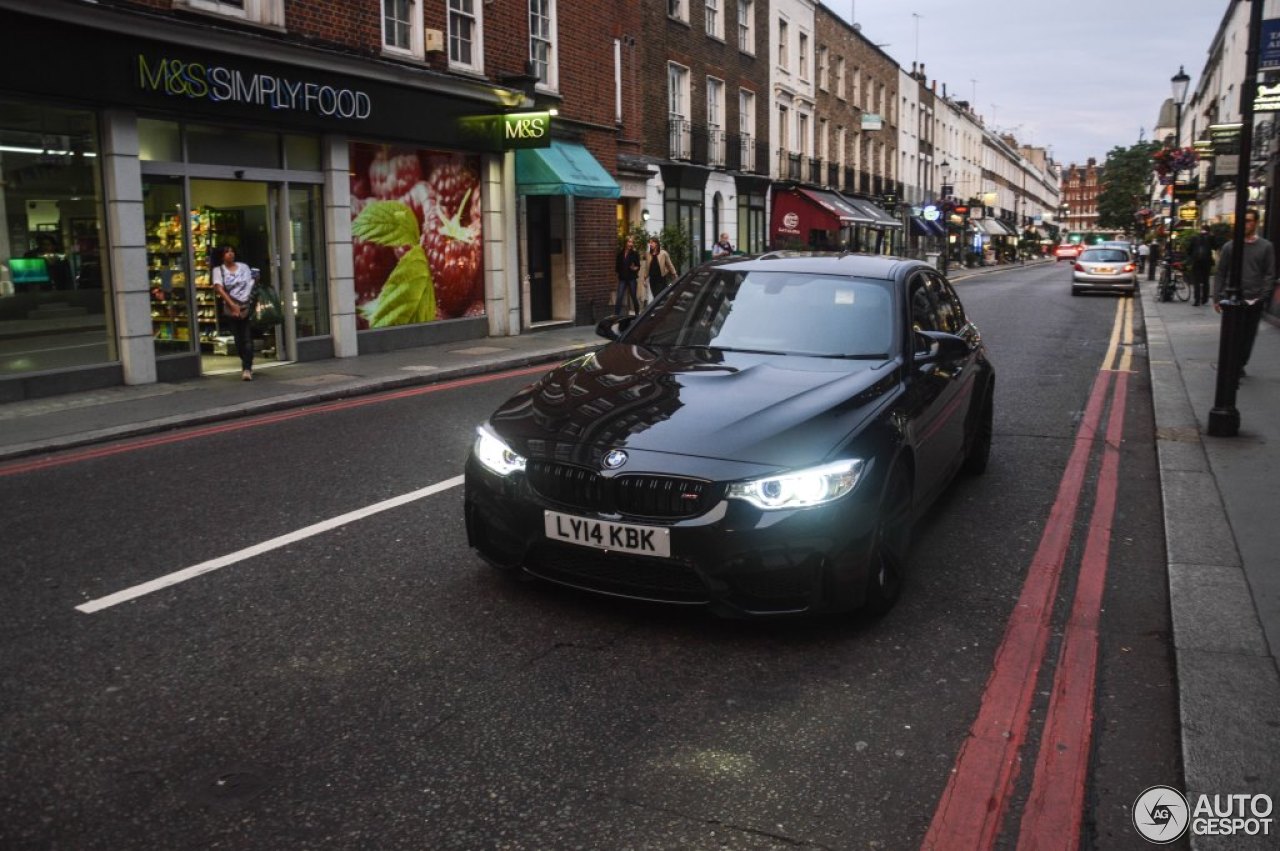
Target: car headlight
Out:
[496,455]
[801,488]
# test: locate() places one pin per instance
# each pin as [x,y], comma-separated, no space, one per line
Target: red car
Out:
[1067,251]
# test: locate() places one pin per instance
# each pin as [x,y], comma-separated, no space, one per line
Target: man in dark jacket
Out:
[1257,281]
[1200,255]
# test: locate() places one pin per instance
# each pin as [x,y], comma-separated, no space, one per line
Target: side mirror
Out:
[613,327]
[935,346]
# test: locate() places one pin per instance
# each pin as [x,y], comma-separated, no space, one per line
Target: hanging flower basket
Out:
[1170,161]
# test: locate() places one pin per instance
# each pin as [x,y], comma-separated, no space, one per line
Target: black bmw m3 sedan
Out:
[759,441]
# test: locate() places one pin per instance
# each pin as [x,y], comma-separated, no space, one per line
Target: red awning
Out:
[798,212]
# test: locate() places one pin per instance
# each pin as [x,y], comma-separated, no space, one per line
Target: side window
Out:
[950,315]
[924,312]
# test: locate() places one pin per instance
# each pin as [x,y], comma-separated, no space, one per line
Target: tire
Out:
[975,459]
[890,546]
[1181,289]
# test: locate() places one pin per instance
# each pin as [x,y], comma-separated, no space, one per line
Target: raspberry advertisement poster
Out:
[416,235]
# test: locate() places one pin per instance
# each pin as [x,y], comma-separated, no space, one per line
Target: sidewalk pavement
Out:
[1219,494]
[1223,545]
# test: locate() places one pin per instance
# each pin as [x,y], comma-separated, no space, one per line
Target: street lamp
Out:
[944,169]
[1179,81]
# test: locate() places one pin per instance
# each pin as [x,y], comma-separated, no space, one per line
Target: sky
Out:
[1078,77]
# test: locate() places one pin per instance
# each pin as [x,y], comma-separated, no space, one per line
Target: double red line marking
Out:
[973,805]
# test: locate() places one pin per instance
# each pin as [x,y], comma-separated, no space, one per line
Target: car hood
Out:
[781,411]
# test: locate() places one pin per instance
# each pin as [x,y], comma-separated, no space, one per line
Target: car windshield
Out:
[1105,255]
[774,312]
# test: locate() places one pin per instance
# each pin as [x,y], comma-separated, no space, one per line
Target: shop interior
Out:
[221,213]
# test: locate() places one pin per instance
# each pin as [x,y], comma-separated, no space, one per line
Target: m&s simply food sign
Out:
[223,84]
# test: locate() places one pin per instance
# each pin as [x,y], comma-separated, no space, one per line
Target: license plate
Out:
[652,541]
[1104,270]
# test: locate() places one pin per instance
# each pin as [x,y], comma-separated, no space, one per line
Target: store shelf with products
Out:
[166,268]
[211,230]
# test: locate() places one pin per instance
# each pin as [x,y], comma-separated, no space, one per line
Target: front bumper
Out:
[734,558]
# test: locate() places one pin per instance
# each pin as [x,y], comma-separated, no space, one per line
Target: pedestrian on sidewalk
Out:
[1153,260]
[722,247]
[628,269]
[234,282]
[1257,281]
[1143,251]
[1200,255]
[658,270]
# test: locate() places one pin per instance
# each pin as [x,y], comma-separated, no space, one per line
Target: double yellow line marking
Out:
[1120,349]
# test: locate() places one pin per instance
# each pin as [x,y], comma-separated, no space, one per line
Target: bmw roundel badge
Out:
[614,459]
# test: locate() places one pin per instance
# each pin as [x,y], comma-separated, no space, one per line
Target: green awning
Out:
[565,168]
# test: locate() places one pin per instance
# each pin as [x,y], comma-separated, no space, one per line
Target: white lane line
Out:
[264,547]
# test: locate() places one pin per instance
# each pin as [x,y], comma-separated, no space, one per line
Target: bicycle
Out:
[1173,284]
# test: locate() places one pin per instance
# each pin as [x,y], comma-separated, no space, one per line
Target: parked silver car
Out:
[1104,269]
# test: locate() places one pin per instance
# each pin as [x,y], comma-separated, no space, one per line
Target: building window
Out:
[267,13]
[842,141]
[802,56]
[715,22]
[746,36]
[715,122]
[840,77]
[465,46]
[822,68]
[542,38]
[747,129]
[676,9]
[401,28]
[802,133]
[783,57]
[678,111]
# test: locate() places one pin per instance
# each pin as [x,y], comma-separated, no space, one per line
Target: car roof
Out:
[826,263]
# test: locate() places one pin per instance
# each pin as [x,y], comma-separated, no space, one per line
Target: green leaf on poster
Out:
[408,296]
[387,223]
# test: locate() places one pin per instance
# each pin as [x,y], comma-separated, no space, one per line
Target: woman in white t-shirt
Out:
[233,282]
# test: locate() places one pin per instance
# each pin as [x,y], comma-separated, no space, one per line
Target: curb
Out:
[362,387]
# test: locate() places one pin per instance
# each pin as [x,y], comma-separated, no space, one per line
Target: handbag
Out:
[264,307]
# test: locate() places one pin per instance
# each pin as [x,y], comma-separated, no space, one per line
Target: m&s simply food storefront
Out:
[365,201]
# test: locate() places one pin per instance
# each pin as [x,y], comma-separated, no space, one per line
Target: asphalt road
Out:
[376,686]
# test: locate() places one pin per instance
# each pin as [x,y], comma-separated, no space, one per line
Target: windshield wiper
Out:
[876,356]
[750,351]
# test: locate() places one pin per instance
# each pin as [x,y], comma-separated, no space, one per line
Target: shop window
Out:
[232,146]
[267,13]
[159,141]
[173,326]
[302,153]
[54,290]
[307,254]
[417,235]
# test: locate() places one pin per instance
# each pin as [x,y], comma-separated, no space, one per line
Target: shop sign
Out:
[871,121]
[509,131]
[1184,192]
[1226,165]
[1188,213]
[930,213]
[790,224]
[1267,98]
[1269,45]
[221,84]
